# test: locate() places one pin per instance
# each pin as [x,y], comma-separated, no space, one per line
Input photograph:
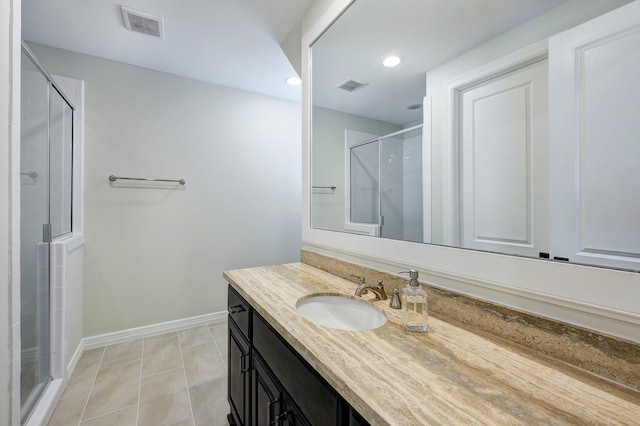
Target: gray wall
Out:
[157,254]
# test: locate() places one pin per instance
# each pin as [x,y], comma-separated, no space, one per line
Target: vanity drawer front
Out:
[316,400]
[239,311]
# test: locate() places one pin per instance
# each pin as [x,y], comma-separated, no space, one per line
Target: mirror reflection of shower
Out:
[383,184]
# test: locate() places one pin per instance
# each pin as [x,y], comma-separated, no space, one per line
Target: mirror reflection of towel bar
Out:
[333,188]
[113,178]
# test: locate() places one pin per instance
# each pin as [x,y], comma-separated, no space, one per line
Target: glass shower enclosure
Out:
[46,152]
[385,185]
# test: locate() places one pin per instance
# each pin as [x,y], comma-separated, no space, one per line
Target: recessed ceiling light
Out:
[294,81]
[391,61]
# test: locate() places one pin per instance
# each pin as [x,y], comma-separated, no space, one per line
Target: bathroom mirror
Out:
[458,144]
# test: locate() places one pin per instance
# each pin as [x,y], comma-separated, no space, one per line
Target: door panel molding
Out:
[451,124]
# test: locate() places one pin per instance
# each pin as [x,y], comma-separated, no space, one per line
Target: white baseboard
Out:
[150,330]
[73,362]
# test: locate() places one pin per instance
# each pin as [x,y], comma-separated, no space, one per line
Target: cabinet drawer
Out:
[239,311]
[317,401]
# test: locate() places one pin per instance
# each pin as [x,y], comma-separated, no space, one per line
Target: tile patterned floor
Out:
[177,378]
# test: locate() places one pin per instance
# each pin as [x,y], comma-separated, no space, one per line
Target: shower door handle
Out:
[46,233]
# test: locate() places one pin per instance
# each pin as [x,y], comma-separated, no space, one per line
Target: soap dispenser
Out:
[414,304]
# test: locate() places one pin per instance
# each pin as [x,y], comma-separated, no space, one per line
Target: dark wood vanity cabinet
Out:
[239,358]
[270,384]
[239,367]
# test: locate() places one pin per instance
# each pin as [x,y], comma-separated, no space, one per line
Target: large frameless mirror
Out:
[473,140]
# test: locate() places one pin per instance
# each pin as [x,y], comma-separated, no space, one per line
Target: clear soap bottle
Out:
[414,305]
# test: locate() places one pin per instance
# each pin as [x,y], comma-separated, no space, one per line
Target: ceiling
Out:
[232,43]
[423,33]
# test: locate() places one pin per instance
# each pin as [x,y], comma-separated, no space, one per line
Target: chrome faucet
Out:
[363,288]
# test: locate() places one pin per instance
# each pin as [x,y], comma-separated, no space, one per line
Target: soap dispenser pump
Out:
[414,304]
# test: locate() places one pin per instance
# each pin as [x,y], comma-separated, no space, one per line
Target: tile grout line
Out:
[140,383]
[217,347]
[109,412]
[93,382]
[186,382]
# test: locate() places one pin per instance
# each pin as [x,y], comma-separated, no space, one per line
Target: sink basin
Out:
[341,312]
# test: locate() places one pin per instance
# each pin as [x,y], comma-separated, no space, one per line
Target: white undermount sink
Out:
[341,312]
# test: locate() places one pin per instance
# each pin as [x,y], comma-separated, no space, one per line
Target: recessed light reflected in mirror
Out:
[294,81]
[391,61]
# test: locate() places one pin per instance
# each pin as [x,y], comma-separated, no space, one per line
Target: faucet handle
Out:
[360,277]
[395,300]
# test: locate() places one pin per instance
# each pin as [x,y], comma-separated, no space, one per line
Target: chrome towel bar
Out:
[333,188]
[113,178]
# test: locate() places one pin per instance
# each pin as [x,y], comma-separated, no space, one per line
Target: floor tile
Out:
[172,379]
[161,355]
[220,334]
[68,411]
[125,417]
[94,350]
[84,374]
[219,331]
[185,422]
[209,403]
[115,388]
[164,399]
[194,336]
[223,347]
[161,336]
[121,353]
[203,364]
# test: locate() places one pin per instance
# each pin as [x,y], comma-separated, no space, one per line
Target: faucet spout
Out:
[377,290]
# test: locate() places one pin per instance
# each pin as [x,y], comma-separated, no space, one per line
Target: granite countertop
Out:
[451,375]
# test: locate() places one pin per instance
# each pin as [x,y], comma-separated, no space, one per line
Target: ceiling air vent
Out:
[142,22]
[351,85]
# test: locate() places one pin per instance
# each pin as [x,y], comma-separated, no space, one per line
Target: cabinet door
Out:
[290,415]
[313,396]
[267,395]
[239,377]
[356,419]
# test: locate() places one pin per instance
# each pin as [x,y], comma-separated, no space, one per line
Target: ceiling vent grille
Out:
[351,84]
[142,22]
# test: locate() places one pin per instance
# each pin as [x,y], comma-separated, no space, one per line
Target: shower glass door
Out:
[34,236]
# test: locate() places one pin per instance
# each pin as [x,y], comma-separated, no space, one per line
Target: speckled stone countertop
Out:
[451,375]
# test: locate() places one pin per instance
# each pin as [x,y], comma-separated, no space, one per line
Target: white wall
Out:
[6,285]
[157,254]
